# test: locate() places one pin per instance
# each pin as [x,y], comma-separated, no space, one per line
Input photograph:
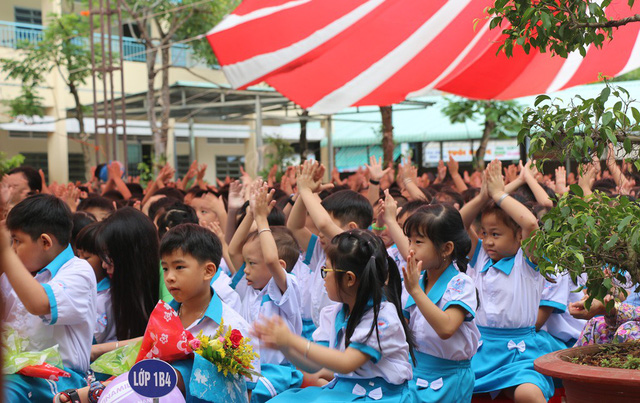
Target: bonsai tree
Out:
[588,232]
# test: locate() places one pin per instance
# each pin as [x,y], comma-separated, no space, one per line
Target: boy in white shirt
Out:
[49,294]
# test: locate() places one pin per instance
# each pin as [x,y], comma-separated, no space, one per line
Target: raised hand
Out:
[494,179]
[273,332]
[310,177]
[442,172]
[561,180]
[261,201]
[453,166]
[412,274]
[375,168]
[390,207]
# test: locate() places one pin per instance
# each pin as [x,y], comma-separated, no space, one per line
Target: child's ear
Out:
[46,241]
[447,249]
[350,279]
[210,270]
[283,264]
[352,225]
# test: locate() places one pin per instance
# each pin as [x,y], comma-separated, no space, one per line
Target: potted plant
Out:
[589,233]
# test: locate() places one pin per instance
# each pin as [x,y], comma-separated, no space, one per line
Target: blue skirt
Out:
[20,388]
[348,390]
[554,342]
[505,360]
[440,380]
[275,380]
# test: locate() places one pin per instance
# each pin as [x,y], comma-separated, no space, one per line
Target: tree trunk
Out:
[82,135]
[303,135]
[387,135]
[489,126]
[158,145]
[165,96]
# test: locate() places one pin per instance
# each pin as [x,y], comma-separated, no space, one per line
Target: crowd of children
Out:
[381,285]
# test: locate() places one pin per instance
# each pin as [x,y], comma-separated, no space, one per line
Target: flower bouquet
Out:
[220,366]
[45,364]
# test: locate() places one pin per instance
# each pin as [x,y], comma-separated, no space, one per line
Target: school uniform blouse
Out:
[561,324]
[271,301]
[389,358]
[509,290]
[451,289]
[220,283]
[105,325]
[70,285]
[316,298]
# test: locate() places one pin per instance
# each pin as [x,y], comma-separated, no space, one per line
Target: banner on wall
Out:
[463,151]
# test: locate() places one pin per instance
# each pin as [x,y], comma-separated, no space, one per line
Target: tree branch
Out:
[608,24]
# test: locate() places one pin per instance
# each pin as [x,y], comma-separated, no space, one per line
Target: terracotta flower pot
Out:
[586,383]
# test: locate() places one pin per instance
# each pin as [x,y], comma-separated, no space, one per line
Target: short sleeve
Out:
[390,332]
[288,303]
[72,295]
[556,294]
[322,335]
[461,291]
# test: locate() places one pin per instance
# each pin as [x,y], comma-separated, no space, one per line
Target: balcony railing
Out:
[12,33]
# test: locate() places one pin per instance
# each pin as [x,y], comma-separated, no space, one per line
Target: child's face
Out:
[255,270]
[99,213]
[425,251]
[185,277]
[203,211]
[31,253]
[330,283]
[94,261]
[498,239]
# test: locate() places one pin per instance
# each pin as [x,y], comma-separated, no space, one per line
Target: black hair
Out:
[441,223]
[87,239]
[170,192]
[347,206]
[34,181]
[493,208]
[364,254]
[80,220]
[113,195]
[288,247]
[129,240]
[450,196]
[135,189]
[42,214]
[276,217]
[194,240]
[159,204]
[175,214]
[469,194]
[98,202]
[411,207]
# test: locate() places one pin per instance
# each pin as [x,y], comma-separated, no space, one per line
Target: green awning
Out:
[352,158]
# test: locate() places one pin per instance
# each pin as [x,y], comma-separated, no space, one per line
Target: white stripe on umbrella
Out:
[634,58]
[568,69]
[379,72]
[250,70]
[234,20]
[456,62]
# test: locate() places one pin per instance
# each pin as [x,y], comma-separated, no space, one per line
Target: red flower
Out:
[236,338]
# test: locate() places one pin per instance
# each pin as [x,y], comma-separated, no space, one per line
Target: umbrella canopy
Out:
[328,55]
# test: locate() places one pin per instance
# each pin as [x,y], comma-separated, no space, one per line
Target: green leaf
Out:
[604,95]
[611,242]
[577,190]
[546,20]
[541,98]
[624,222]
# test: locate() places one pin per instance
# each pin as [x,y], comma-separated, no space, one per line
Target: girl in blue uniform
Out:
[363,338]
[441,305]
[510,288]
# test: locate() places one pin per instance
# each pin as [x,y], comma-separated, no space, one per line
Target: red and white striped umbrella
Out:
[328,55]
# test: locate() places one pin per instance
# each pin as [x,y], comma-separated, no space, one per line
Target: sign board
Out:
[152,378]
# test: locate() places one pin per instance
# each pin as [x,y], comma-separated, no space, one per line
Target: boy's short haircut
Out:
[194,240]
[160,204]
[410,207]
[98,202]
[42,214]
[347,206]
[87,239]
[34,181]
[135,189]
[113,195]
[288,248]
[450,196]
[174,215]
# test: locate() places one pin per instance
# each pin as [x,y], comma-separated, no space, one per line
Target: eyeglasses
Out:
[324,271]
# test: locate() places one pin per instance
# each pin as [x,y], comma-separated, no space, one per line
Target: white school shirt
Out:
[395,254]
[509,290]
[221,284]
[105,325]
[224,267]
[316,299]
[556,294]
[70,285]
[219,311]
[452,288]
[269,302]
[389,360]
[562,325]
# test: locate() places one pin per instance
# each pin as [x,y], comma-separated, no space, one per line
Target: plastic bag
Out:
[16,358]
[118,361]
[45,371]
[209,385]
[165,337]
